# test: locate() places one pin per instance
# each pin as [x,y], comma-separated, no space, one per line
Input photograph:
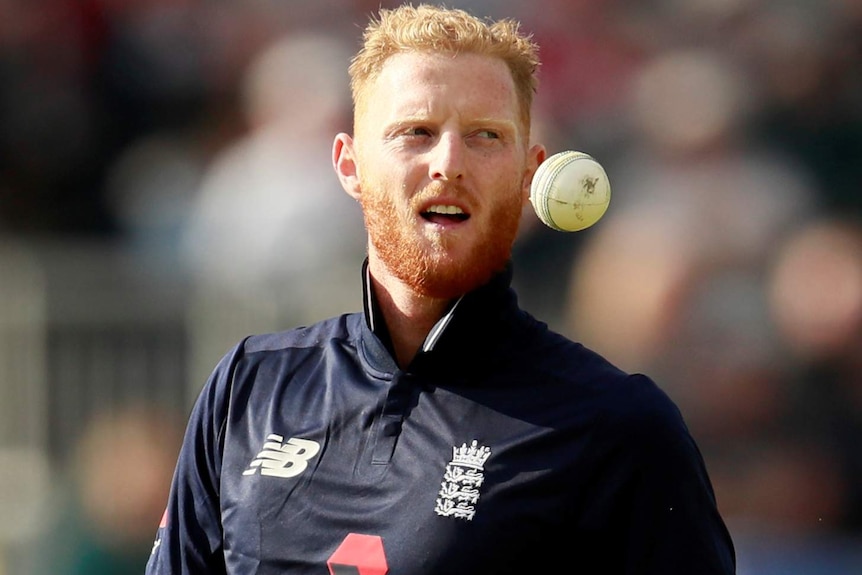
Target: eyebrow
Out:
[483,122]
[512,125]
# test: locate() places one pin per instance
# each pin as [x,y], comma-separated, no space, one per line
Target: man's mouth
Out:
[444,213]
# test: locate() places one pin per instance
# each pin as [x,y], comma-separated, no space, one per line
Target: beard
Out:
[425,264]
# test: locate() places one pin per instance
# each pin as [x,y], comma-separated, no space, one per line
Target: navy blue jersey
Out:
[504,448]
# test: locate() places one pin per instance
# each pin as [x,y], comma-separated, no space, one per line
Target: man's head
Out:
[440,159]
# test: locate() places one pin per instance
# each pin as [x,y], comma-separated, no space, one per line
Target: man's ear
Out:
[344,163]
[535,157]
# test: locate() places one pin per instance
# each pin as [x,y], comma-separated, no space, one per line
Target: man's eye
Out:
[418,131]
[488,134]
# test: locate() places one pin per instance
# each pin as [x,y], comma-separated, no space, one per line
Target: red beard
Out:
[428,270]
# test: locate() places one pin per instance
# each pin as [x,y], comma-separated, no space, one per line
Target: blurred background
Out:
[166,189]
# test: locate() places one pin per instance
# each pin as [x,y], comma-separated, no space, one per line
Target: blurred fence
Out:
[23,390]
[113,334]
[83,330]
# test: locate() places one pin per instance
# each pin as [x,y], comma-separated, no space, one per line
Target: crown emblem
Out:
[473,456]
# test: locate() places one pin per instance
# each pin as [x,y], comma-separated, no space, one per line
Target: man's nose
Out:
[447,158]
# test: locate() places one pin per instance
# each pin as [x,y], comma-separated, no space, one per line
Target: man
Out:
[444,430]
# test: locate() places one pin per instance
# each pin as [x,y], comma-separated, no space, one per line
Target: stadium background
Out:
[165,189]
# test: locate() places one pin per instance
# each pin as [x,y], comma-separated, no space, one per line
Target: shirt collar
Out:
[470,326]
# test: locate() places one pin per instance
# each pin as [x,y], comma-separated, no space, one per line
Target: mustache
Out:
[438,188]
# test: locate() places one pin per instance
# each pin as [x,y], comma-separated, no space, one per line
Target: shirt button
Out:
[391,428]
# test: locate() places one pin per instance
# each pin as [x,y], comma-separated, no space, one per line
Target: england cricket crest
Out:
[464,475]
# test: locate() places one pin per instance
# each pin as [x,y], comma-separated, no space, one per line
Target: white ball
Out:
[570,191]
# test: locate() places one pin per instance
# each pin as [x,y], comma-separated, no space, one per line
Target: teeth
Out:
[441,209]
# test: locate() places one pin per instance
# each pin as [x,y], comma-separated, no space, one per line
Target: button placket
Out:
[391,419]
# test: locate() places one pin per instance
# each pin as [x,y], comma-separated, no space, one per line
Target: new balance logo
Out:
[283,459]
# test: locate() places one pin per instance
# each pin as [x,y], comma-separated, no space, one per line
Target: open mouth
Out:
[445,214]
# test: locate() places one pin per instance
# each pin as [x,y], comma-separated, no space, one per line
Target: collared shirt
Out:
[503,448]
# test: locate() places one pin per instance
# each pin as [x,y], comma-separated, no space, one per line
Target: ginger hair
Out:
[433,29]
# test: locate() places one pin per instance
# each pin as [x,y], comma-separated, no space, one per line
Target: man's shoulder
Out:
[278,355]
[626,398]
[562,358]
[334,330]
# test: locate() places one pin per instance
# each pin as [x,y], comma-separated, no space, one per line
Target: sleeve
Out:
[189,538]
[670,519]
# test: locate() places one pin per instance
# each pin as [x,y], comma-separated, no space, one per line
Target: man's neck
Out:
[409,316]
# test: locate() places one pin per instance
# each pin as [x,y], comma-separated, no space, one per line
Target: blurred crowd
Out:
[196,134]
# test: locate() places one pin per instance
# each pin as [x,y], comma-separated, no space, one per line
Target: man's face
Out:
[443,169]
